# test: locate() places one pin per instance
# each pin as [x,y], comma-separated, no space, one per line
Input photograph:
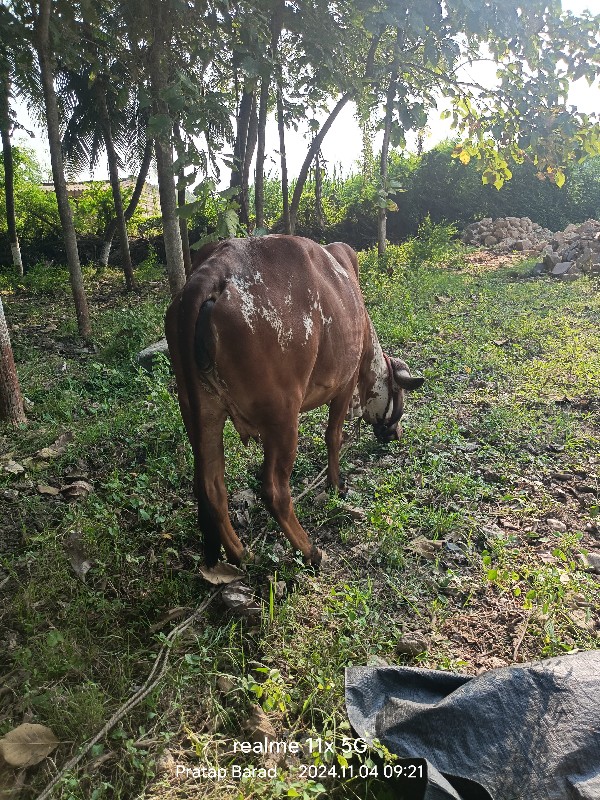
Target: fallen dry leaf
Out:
[258,726]
[57,448]
[71,491]
[27,745]
[427,548]
[79,561]
[43,488]
[222,573]
[13,467]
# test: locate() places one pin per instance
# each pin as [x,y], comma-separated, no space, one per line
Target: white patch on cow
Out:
[335,264]
[288,300]
[355,410]
[271,315]
[247,307]
[325,320]
[377,404]
[258,277]
[308,325]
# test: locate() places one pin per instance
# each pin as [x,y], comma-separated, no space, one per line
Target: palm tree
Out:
[98,120]
[46,48]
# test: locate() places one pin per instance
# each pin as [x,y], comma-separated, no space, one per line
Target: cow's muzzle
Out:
[386,433]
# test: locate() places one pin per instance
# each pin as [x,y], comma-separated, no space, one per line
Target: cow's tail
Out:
[195,346]
[204,343]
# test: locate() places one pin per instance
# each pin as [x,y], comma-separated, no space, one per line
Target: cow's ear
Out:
[403,379]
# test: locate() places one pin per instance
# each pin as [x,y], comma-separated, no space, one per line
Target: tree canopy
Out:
[200,80]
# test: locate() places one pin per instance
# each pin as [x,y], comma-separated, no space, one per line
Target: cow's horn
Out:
[404,380]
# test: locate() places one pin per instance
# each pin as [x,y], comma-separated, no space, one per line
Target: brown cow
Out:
[266,328]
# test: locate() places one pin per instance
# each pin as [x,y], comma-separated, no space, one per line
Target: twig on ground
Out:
[521,636]
[156,673]
[321,476]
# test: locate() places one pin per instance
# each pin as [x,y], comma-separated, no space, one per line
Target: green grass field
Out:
[460,548]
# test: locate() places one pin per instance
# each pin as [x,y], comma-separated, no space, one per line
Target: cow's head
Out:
[398,381]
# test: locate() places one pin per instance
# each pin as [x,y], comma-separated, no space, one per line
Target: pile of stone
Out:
[507,233]
[572,252]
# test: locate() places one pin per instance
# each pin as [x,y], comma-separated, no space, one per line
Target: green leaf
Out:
[159,125]
[231,222]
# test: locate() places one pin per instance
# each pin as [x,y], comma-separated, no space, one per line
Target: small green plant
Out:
[433,244]
[272,692]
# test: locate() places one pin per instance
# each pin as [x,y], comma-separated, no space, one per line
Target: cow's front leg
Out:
[280,445]
[209,486]
[333,435]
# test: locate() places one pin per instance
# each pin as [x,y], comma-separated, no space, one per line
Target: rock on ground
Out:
[565,254]
[147,356]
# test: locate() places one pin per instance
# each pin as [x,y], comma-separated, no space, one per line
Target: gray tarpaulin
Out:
[526,732]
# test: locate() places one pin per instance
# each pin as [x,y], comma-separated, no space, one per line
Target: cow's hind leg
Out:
[209,486]
[280,445]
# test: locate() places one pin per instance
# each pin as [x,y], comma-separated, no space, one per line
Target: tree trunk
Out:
[285,186]
[385,148]
[164,152]
[111,227]
[319,215]
[250,146]
[259,174]
[11,400]
[170,220]
[113,172]
[42,44]
[240,147]
[183,223]
[312,151]
[9,187]
[259,177]
[184,233]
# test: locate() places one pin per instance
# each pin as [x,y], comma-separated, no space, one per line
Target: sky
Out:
[342,145]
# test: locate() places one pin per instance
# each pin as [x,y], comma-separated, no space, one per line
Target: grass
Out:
[498,464]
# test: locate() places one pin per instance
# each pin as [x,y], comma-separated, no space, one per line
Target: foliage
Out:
[38,223]
[94,208]
[440,188]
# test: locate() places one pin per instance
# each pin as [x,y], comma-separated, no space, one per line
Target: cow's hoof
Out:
[341,487]
[315,558]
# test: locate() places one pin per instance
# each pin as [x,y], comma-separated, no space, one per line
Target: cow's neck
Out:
[375,379]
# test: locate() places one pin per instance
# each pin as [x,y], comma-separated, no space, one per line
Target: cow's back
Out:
[287,321]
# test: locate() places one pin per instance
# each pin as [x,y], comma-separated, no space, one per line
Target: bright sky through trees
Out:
[342,145]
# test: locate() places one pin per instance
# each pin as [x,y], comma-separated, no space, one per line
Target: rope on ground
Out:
[156,673]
